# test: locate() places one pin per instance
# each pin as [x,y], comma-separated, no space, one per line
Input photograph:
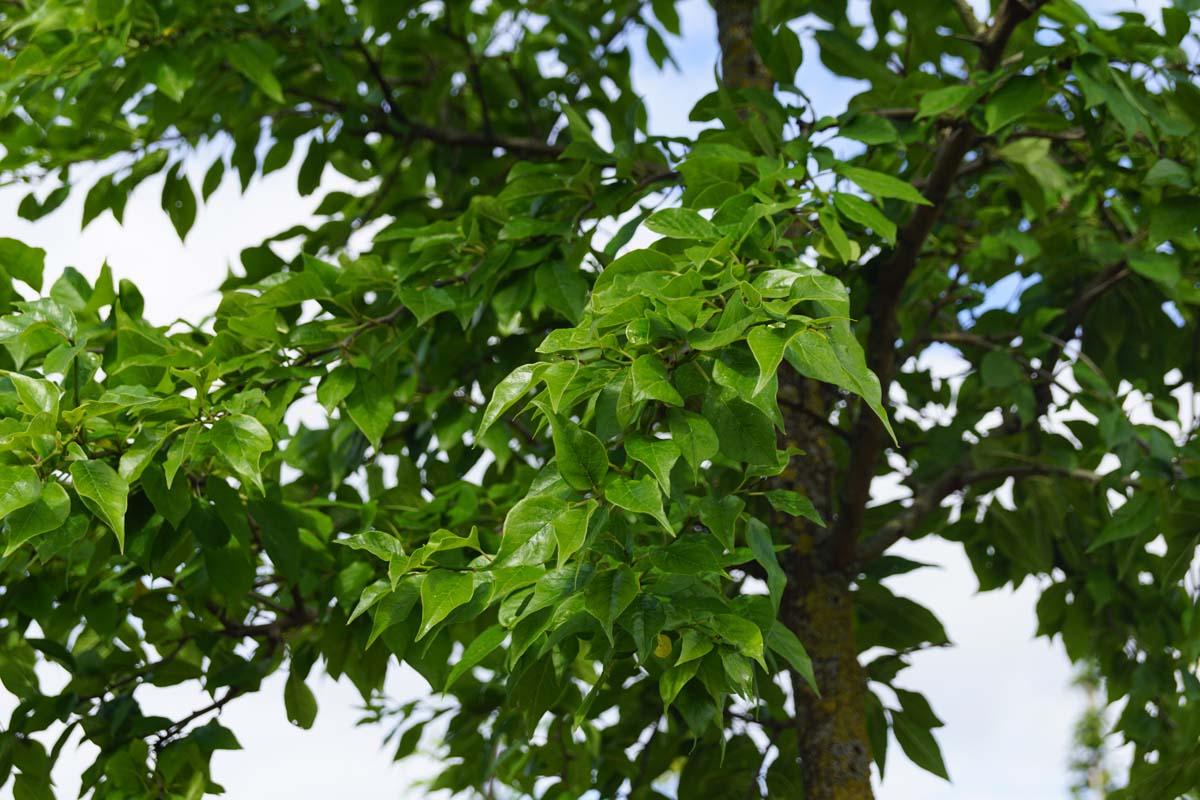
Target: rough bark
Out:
[834,751]
[818,604]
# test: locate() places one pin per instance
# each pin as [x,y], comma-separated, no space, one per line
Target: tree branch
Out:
[175,728]
[449,136]
[958,477]
[972,23]
[892,275]
[1071,319]
[961,475]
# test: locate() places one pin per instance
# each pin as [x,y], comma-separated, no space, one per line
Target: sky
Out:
[1005,697]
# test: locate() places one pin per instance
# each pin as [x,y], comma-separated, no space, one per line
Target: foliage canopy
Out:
[610,501]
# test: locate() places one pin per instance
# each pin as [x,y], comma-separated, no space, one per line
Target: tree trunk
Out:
[818,605]
[831,728]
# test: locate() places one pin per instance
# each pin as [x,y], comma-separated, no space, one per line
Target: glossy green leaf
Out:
[695,437]
[299,702]
[19,487]
[783,642]
[48,513]
[682,223]
[242,440]
[479,648]
[104,492]
[758,536]
[651,382]
[882,185]
[581,457]
[507,392]
[641,496]
[609,594]
[658,455]
[442,591]
[795,504]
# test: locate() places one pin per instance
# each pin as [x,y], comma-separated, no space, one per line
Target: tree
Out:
[1089,762]
[669,562]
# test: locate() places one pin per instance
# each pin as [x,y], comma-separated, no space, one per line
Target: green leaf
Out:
[104,492]
[641,497]
[1159,267]
[19,487]
[1131,519]
[948,98]
[371,407]
[695,437]
[382,545]
[836,357]
[881,184]
[561,287]
[781,640]
[745,433]
[918,744]
[172,503]
[242,440]
[768,344]
[609,594]
[682,223]
[650,382]
[570,530]
[917,708]
[630,266]
[758,536]
[479,648]
[658,455]
[870,129]
[212,178]
[442,591]
[37,395]
[179,201]
[49,512]
[691,555]
[138,457]
[693,644]
[674,679]
[533,528]
[1016,98]
[721,516]
[174,75]
[742,634]
[179,452]
[336,386]
[23,262]
[837,236]
[299,702]
[1167,172]
[855,208]
[371,595]
[581,457]
[795,504]
[899,622]
[877,731]
[507,392]
[253,59]
[998,369]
